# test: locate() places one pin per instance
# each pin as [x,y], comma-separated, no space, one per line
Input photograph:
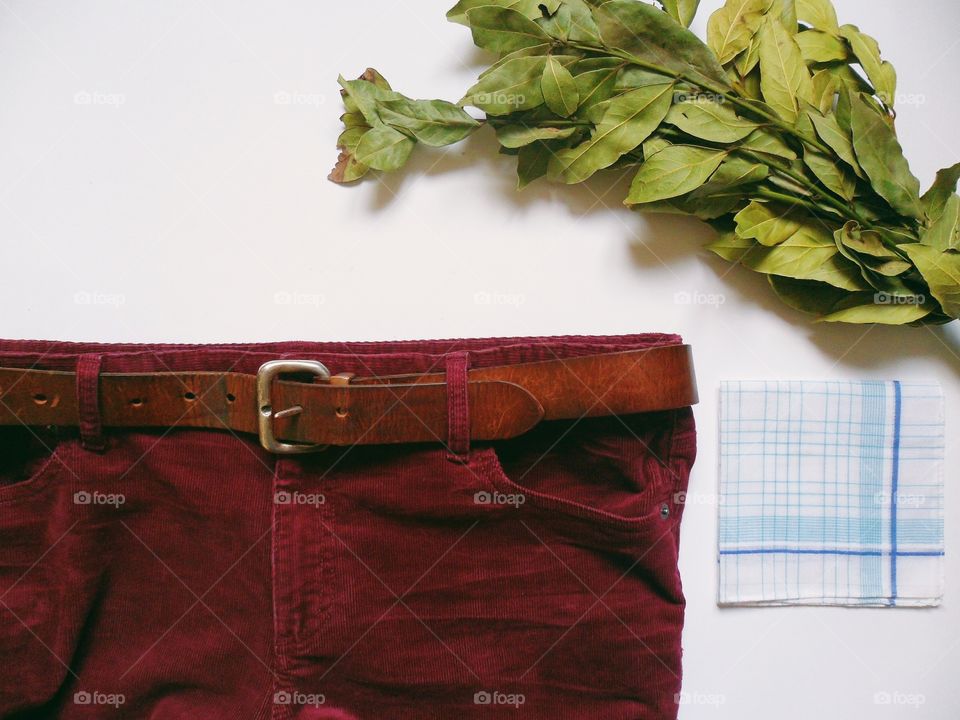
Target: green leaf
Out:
[891,312]
[533,51]
[628,120]
[944,232]
[808,296]
[825,86]
[683,11]
[935,199]
[784,77]
[866,242]
[941,270]
[353,120]
[819,14]
[651,35]
[503,30]
[384,148]
[432,122]
[559,88]
[733,172]
[365,96]
[350,138]
[881,157]
[768,143]
[731,28]
[713,121]
[532,163]
[838,140]
[653,145]
[515,136]
[866,248]
[528,8]
[821,47]
[769,223]
[836,178]
[672,172]
[513,86]
[694,204]
[596,86]
[632,77]
[575,19]
[882,74]
[731,247]
[809,254]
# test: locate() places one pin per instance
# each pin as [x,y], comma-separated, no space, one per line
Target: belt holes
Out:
[342,412]
[231,397]
[136,402]
[190,396]
[40,398]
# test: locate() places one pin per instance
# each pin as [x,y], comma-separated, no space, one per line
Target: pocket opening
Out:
[616,472]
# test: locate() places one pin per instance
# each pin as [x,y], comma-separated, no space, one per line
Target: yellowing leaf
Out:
[944,232]
[784,78]
[731,247]
[768,223]
[882,74]
[825,87]
[892,310]
[807,255]
[628,120]
[821,47]
[941,270]
[829,130]
[683,11]
[943,188]
[819,14]
[732,27]
[836,178]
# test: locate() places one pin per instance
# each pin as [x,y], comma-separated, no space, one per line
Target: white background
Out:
[163,178]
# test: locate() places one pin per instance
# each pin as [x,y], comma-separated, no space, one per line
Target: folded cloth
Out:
[831,493]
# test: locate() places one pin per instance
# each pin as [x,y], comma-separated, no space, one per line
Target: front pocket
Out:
[28,460]
[612,472]
[35,537]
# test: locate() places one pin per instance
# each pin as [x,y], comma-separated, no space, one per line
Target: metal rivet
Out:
[664,511]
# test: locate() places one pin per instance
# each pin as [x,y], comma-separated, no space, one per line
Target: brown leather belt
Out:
[302,414]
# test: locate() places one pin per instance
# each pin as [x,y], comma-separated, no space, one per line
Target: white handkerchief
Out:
[831,493]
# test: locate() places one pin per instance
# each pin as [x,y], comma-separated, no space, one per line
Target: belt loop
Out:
[88,402]
[458,404]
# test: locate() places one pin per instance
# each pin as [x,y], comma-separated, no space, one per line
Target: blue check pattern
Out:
[831,493]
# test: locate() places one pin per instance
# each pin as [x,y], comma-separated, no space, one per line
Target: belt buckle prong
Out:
[265,412]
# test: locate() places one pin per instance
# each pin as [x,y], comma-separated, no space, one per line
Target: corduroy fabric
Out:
[190,574]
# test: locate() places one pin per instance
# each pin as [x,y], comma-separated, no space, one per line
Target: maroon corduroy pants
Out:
[174,573]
